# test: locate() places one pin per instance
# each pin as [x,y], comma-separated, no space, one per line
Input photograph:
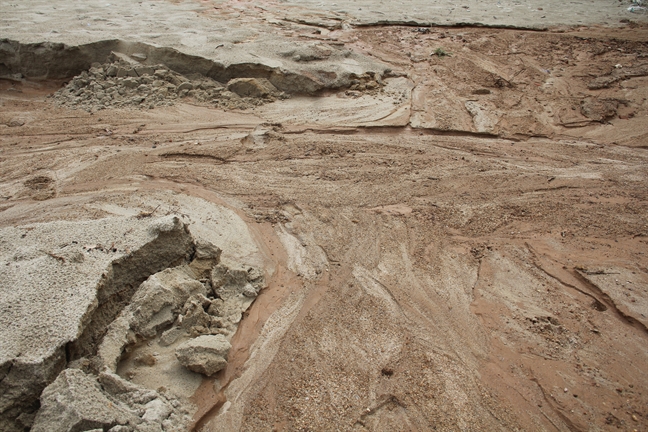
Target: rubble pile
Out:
[124,82]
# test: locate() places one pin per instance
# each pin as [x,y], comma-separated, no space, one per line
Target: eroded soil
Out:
[479,263]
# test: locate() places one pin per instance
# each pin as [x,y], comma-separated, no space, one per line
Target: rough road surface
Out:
[218,215]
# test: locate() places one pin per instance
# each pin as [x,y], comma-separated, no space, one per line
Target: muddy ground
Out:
[475,259]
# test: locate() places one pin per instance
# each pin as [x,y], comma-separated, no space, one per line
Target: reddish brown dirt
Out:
[452,278]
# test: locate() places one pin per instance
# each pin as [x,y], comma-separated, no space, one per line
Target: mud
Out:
[441,228]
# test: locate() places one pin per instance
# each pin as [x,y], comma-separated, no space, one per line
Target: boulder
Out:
[204,354]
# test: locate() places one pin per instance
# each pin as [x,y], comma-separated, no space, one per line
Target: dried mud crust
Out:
[517,84]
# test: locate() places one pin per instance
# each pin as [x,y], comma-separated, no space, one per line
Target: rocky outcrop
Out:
[153,308]
[252,87]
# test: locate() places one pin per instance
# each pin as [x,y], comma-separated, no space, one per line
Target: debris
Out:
[127,83]
[204,354]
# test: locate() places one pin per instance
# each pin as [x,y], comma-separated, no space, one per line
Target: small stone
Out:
[156,411]
[251,87]
[185,86]
[130,83]
[249,291]
[112,70]
[205,354]
[16,123]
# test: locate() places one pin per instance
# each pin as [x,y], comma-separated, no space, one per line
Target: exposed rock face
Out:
[72,279]
[170,307]
[124,82]
[204,354]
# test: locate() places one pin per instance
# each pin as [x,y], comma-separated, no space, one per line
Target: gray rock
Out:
[156,411]
[249,291]
[75,402]
[116,385]
[204,354]
[206,257]
[194,312]
[144,70]
[218,275]
[185,86]
[130,83]
[251,87]
[112,70]
[170,336]
[206,250]
[125,72]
